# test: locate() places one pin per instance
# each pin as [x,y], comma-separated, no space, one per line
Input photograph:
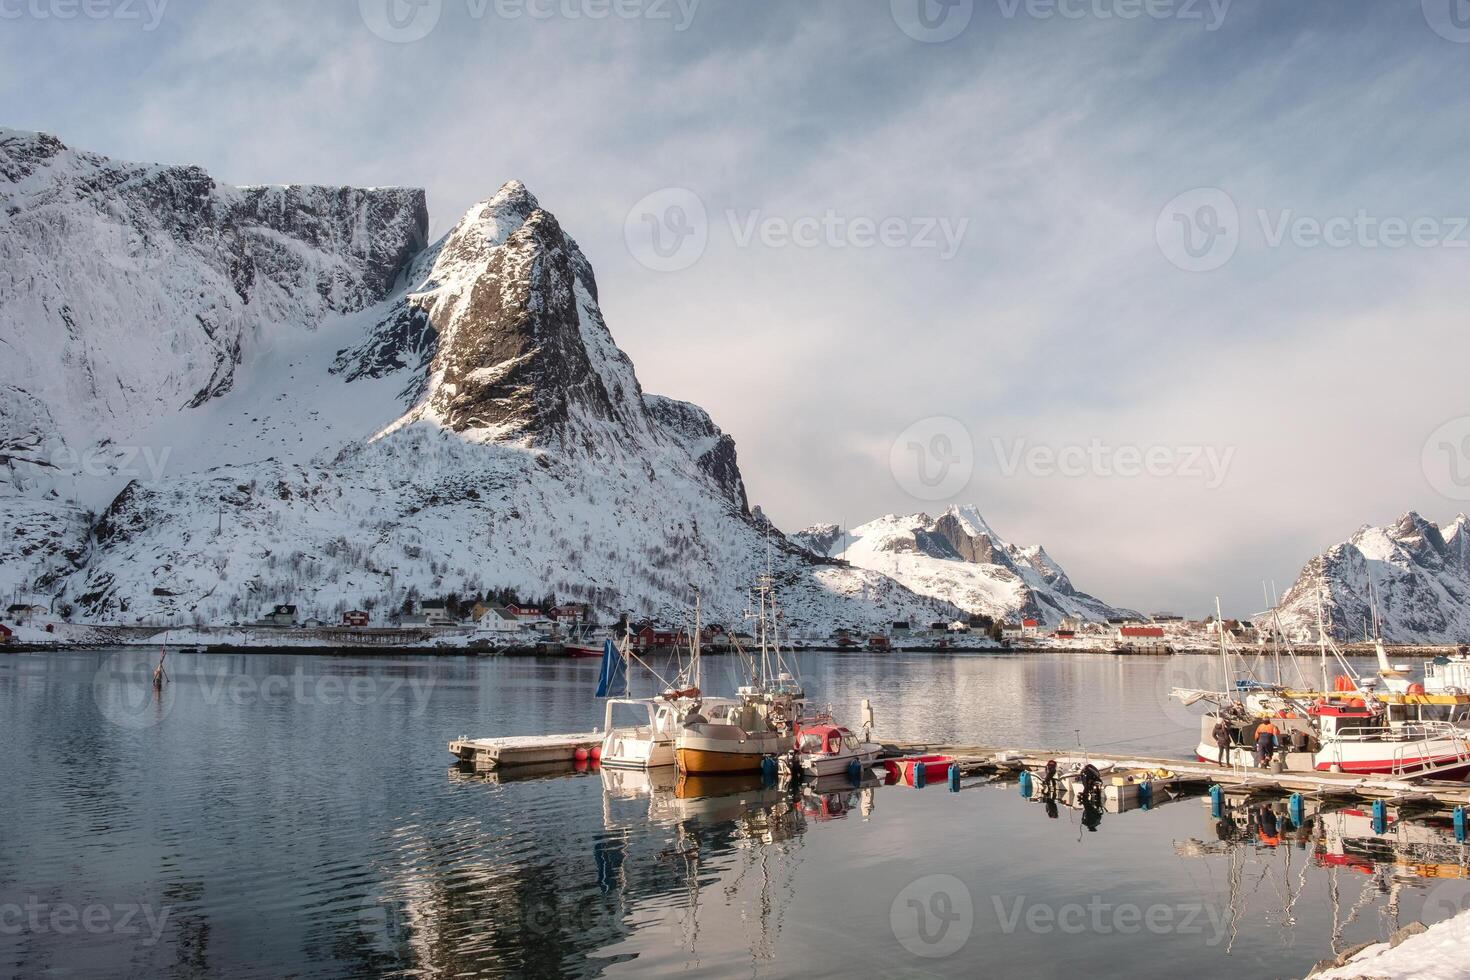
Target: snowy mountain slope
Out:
[130,291]
[473,427]
[1419,572]
[958,558]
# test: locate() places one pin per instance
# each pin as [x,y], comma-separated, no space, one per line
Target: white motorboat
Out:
[825,749]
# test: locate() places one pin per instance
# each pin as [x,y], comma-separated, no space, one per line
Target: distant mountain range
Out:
[958,558]
[1418,571]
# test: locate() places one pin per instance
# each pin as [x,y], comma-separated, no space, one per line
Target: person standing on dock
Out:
[1266,737]
[1224,736]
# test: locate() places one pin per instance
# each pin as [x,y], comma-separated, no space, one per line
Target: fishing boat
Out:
[641,732]
[587,644]
[738,735]
[1351,723]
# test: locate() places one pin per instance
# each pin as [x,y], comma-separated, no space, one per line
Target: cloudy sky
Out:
[1176,288]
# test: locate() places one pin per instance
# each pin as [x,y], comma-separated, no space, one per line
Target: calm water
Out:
[276,816]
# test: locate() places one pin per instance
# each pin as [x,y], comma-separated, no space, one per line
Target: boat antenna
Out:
[1224,653]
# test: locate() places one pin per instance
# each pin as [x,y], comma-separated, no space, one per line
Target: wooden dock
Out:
[1397,791]
[523,750]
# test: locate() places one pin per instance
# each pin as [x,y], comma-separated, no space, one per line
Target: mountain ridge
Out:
[378,425]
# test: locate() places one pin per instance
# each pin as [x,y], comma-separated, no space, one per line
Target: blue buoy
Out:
[1460,824]
[1298,809]
[1380,816]
[1026,783]
[768,770]
[919,774]
[1145,794]
[1217,801]
[855,771]
[954,777]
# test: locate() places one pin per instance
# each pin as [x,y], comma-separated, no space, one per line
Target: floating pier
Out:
[1396,791]
[523,750]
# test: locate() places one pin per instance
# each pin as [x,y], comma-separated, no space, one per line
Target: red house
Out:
[526,613]
[355,617]
[655,639]
[6,635]
[1141,632]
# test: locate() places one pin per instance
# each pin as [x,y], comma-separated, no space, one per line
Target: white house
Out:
[436,613]
[21,613]
[282,615]
[499,621]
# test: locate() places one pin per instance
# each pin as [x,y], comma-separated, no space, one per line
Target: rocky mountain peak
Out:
[1419,577]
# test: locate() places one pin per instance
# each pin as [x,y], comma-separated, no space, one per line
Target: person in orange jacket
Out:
[1267,738]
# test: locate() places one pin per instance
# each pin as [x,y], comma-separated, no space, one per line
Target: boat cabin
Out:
[1353,718]
[826,740]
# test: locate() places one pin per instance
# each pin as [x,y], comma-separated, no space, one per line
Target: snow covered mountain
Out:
[1418,571]
[220,398]
[959,559]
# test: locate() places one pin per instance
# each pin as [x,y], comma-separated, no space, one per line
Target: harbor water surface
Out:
[300,815]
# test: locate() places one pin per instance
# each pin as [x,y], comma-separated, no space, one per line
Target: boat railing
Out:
[1430,747]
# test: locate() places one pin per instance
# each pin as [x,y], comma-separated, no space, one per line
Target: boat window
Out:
[629,716]
[811,743]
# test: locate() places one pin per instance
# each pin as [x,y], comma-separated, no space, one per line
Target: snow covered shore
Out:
[1441,952]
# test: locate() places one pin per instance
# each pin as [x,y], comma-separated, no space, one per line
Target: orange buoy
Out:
[580,755]
[1416,688]
[596,753]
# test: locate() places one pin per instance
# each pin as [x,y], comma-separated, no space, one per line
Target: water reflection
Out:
[301,828]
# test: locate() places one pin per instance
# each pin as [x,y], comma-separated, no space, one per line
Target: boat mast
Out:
[1224,654]
[695,644]
[1322,637]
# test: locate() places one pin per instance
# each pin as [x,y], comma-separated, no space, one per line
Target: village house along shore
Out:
[513,629]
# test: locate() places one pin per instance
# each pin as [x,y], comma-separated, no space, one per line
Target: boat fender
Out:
[1217,801]
[954,777]
[768,770]
[1026,783]
[581,755]
[1380,816]
[920,776]
[855,771]
[1460,824]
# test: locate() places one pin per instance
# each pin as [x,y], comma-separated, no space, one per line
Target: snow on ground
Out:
[1441,953]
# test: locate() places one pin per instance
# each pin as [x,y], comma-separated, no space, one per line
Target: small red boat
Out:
[936,768]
